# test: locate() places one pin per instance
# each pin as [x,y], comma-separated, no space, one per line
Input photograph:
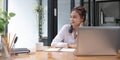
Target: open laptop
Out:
[102,40]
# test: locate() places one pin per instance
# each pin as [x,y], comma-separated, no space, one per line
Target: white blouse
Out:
[63,38]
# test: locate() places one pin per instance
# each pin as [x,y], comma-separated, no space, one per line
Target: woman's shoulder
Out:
[66,27]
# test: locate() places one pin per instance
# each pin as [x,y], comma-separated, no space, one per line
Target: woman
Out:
[67,35]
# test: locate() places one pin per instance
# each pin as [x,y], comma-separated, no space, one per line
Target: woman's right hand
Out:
[72,45]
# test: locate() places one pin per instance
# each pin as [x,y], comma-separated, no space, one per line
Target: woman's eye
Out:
[74,16]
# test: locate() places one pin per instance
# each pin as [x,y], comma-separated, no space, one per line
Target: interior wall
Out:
[77,2]
[111,9]
[63,13]
[25,23]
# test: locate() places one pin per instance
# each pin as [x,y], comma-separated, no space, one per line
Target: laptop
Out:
[104,40]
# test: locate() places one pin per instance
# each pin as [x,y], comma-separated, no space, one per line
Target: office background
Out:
[57,13]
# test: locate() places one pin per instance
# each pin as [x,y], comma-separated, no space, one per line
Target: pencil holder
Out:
[4,51]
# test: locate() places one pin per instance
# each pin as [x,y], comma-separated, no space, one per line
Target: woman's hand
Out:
[72,45]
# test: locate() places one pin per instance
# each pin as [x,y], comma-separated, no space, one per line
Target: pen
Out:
[15,40]
[60,49]
[12,41]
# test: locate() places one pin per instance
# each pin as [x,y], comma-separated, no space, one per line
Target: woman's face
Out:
[75,19]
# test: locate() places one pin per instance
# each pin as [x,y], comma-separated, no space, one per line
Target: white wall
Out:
[63,13]
[24,24]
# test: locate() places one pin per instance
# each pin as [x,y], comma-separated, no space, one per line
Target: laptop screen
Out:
[98,41]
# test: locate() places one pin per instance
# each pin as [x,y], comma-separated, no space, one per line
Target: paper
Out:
[68,49]
[61,49]
[52,49]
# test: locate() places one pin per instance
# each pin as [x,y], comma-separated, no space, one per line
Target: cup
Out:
[39,46]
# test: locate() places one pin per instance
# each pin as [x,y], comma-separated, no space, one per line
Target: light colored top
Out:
[63,38]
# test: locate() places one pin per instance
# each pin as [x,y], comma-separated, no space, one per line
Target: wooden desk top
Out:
[42,55]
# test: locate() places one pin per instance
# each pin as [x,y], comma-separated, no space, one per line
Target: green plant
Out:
[4,17]
[39,10]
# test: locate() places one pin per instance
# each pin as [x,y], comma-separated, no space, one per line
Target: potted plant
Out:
[40,14]
[4,17]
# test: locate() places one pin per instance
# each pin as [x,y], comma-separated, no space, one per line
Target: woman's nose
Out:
[71,19]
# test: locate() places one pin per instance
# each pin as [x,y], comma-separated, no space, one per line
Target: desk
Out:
[42,55]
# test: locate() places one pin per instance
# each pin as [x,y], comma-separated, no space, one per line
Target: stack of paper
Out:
[61,49]
[52,49]
[68,49]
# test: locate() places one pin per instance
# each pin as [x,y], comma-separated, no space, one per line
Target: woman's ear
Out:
[82,19]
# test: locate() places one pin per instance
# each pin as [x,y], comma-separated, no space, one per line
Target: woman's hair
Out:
[81,11]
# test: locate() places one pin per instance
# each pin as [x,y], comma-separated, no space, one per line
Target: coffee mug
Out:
[39,46]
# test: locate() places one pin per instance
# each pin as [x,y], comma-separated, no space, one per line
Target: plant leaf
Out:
[5,13]
[1,29]
[11,14]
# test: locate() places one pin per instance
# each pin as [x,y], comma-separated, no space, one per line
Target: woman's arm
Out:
[57,41]
[59,44]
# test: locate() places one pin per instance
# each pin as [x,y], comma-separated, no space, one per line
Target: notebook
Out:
[102,40]
[60,50]
[20,50]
